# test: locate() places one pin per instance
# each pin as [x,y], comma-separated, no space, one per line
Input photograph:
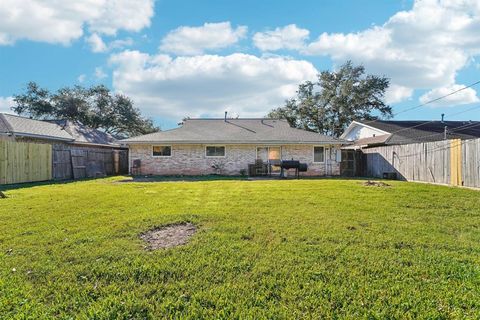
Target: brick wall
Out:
[304,153]
[191,160]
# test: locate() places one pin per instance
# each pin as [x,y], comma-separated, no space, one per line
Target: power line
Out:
[437,99]
[449,146]
[450,115]
[429,102]
[427,122]
[441,148]
[431,121]
[462,127]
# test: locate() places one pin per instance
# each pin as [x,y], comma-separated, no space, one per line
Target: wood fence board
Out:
[471,163]
[413,162]
[88,162]
[62,165]
[453,162]
[24,162]
[79,164]
[29,162]
[3,162]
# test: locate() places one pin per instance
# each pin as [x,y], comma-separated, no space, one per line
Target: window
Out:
[162,151]
[215,151]
[318,154]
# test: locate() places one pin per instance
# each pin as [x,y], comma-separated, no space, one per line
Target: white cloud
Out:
[466,96]
[421,48]
[96,43]
[5,104]
[207,85]
[196,40]
[396,93]
[288,37]
[100,74]
[55,21]
[120,43]
[81,78]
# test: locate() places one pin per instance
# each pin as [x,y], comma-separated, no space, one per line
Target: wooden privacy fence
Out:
[79,163]
[453,162]
[24,162]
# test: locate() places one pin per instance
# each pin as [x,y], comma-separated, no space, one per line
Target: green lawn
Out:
[265,249]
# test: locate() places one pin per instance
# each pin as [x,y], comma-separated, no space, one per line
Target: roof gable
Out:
[357,130]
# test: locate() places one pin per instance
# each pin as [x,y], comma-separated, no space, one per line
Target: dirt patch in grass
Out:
[370,183]
[2,195]
[168,236]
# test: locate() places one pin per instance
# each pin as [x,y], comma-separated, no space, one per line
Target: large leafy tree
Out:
[338,97]
[95,107]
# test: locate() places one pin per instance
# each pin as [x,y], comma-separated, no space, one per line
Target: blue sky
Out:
[199,58]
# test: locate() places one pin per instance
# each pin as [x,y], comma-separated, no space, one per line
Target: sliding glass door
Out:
[272,156]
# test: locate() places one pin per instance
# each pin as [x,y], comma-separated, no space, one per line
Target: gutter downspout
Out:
[129,158]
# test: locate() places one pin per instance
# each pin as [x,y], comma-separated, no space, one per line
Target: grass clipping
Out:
[370,183]
[168,236]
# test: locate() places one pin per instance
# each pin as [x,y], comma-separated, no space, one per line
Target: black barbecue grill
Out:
[293,164]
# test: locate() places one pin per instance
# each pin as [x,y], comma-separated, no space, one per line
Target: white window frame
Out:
[216,146]
[324,154]
[162,145]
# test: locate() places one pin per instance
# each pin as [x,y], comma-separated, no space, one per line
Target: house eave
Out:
[40,136]
[116,145]
[262,142]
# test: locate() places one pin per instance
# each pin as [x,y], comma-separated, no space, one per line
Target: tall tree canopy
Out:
[337,98]
[95,107]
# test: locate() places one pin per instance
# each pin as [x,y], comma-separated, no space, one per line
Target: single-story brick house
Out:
[228,146]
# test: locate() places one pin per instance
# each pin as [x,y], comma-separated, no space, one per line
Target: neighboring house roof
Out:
[404,132]
[33,128]
[235,131]
[86,135]
[4,127]
[59,130]
[371,141]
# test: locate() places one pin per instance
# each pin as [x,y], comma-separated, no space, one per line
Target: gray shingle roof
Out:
[241,131]
[83,134]
[378,140]
[54,130]
[424,131]
[34,128]
[4,127]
